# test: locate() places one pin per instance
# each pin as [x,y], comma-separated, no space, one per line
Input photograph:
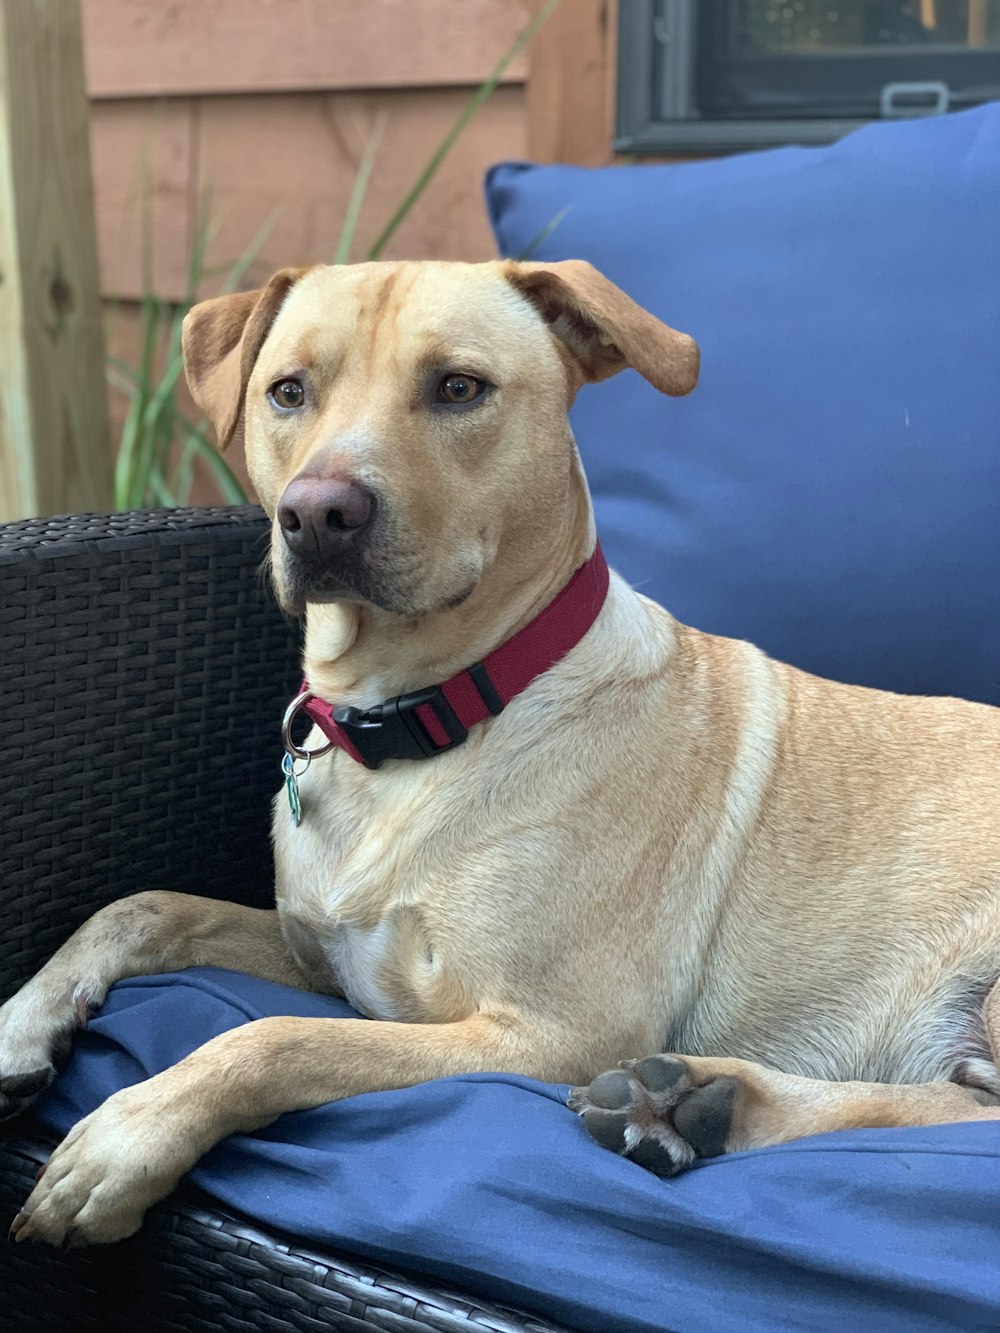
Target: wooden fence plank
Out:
[294,157]
[570,94]
[144,189]
[297,156]
[141,48]
[54,455]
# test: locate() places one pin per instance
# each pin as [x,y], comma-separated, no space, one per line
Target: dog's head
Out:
[403,422]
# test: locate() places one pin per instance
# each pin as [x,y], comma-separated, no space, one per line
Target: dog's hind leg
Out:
[138,936]
[666,1111]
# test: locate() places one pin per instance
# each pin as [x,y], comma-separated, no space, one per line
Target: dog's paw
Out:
[111,1167]
[34,1044]
[36,1033]
[652,1112]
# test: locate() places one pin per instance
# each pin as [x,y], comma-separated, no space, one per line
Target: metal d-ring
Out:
[291,712]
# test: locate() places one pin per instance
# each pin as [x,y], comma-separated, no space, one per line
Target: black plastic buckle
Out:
[392,730]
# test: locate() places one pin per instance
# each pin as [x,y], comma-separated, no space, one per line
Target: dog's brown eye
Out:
[460,389]
[287,394]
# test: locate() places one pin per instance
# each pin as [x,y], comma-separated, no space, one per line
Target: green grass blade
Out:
[160,492]
[121,375]
[129,479]
[146,453]
[120,383]
[238,271]
[358,191]
[201,238]
[126,454]
[481,95]
[161,436]
[183,477]
[226,480]
[544,234]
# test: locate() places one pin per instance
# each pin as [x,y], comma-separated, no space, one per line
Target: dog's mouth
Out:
[353,577]
[377,568]
[389,578]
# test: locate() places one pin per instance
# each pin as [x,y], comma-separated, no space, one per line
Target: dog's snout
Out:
[320,516]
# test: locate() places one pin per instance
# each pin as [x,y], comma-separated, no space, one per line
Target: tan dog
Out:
[666,842]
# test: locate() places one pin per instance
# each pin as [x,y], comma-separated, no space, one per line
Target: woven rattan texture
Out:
[143,671]
[65,528]
[193,1268]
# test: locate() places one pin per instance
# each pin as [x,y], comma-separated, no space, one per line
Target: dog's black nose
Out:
[320,517]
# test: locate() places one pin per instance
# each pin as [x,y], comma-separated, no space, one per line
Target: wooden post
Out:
[54,447]
[570,94]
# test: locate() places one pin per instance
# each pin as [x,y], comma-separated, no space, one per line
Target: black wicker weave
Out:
[143,670]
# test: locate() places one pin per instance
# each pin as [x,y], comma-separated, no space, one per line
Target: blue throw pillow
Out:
[831,490]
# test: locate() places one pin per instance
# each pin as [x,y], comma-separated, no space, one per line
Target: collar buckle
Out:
[393,730]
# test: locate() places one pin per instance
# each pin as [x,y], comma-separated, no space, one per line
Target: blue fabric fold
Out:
[489,1181]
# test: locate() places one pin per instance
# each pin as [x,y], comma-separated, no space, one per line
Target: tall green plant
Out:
[159,444]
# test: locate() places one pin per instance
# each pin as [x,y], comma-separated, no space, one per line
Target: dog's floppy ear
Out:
[603,328]
[221,339]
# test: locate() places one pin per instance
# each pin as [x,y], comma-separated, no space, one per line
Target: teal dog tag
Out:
[292,788]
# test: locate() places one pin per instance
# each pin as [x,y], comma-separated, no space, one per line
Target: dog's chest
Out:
[352,895]
[352,958]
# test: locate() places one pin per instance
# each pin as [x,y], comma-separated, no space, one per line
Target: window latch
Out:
[898,100]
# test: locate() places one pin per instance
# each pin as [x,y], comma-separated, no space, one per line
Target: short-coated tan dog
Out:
[666,842]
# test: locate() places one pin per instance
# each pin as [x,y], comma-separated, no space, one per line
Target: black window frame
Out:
[658,68]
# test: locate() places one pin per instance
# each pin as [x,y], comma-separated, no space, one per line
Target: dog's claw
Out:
[20,1228]
[577,1099]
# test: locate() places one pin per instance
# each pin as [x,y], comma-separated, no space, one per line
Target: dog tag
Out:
[292,788]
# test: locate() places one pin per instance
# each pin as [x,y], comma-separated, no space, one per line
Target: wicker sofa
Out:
[144,670]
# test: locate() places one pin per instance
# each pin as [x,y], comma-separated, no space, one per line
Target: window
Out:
[707,75]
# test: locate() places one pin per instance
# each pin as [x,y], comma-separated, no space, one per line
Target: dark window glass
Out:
[774,58]
[708,75]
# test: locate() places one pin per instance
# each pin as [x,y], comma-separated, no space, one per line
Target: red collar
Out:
[430,721]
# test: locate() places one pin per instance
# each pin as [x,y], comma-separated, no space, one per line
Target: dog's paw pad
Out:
[651,1112]
[612,1090]
[658,1073]
[608,1128]
[652,1155]
[704,1117]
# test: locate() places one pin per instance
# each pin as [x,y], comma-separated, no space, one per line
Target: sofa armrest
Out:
[143,672]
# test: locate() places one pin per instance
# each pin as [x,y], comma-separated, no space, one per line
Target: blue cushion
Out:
[831,490]
[491,1182]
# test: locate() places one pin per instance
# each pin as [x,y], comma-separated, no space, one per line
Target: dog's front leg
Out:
[134,1148]
[138,936]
